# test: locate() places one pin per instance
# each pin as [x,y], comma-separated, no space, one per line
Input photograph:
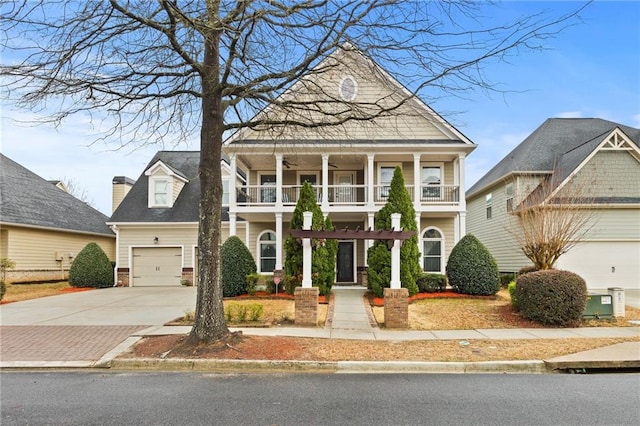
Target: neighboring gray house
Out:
[42,227]
[600,153]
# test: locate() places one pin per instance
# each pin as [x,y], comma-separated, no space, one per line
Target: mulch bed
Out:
[379,301]
[272,296]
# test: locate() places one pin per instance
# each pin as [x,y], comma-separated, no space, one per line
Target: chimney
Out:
[119,189]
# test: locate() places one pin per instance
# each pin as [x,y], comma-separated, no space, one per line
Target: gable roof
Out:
[349,60]
[26,199]
[134,207]
[559,145]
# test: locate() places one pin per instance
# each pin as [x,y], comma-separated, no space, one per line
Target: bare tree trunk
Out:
[209,322]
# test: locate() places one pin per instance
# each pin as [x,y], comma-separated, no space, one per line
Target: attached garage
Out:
[156,266]
[605,264]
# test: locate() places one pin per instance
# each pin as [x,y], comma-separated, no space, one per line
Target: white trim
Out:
[160,165]
[442,240]
[355,88]
[258,257]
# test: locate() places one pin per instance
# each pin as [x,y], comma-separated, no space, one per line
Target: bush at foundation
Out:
[237,263]
[471,269]
[430,283]
[91,268]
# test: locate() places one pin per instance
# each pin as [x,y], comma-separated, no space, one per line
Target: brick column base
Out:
[307,306]
[396,308]
[123,277]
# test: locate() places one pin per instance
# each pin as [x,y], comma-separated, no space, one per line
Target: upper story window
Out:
[165,184]
[385,176]
[509,194]
[431,180]
[160,192]
[489,201]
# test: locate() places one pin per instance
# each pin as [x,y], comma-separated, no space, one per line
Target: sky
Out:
[591,69]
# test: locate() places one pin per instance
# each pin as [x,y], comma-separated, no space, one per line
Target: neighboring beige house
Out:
[42,227]
[600,154]
[350,167]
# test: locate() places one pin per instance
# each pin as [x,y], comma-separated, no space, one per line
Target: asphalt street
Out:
[112,398]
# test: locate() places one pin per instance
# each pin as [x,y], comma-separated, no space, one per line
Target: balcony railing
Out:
[342,195]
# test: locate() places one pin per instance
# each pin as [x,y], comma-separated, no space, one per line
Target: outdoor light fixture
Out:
[155,240]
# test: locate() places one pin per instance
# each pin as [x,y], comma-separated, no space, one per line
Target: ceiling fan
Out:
[287,163]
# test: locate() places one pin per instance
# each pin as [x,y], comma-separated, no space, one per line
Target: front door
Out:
[344,262]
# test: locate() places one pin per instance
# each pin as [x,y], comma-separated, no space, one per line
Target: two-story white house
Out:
[350,167]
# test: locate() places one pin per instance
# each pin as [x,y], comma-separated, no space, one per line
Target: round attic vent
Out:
[348,88]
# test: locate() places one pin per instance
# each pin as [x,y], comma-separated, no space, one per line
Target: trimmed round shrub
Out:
[471,269]
[91,268]
[551,297]
[237,263]
[430,283]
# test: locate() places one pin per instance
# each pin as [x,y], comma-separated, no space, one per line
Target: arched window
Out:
[267,252]
[432,250]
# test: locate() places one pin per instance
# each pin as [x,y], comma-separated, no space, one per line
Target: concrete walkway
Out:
[92,328]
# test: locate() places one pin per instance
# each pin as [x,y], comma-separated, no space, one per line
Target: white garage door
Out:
[605,264]
[157,266]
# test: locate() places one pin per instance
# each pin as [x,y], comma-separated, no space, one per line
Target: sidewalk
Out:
[118,318]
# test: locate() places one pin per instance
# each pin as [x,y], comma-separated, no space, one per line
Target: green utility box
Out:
[598,306]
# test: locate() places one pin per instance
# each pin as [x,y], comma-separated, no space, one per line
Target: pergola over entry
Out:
[392,236]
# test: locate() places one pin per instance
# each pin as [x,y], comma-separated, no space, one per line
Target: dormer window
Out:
[160,192]
[165,184]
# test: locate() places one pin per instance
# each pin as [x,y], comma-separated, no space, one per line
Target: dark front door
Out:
[344,262]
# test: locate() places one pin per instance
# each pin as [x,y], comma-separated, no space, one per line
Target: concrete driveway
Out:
[103,307]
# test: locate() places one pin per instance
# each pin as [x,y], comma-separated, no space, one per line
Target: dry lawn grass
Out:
[19,292]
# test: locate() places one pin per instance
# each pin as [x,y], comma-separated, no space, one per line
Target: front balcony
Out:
[341,195]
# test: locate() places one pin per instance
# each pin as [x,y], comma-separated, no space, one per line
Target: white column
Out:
[325,182]
[463,224]
[232,223]
[247,233]
[370,180]
[278,180]
[306,251]
[456,229]
[417,171]
[395,253]
[233,165]
[463,202]
[368,243]
[279,241]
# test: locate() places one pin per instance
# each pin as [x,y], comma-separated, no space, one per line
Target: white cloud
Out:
[569,114]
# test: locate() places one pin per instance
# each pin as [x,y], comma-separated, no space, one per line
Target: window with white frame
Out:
[267,251]
[431,180]
[385,176]
[489,201]
[160,197]
[268,193]
[509,194]
[432,249]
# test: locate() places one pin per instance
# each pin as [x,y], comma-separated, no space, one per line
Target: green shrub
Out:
[255,311]
[506,278]
[512,292]
[3,289]
[252,283]
[551,297]
[237,313]
[471,269]
[237,263]
[91,268]
[430,283]
[527,269]
[291,283]
[379,270]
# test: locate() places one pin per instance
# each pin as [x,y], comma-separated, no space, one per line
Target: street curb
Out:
[342,367]
[223,365]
